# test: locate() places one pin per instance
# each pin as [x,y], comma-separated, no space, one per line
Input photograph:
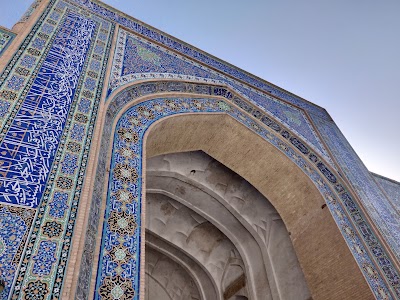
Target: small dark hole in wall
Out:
[290,233]
[323,206]
[2,284]
[192,172]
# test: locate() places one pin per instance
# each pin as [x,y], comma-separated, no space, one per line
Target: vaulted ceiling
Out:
[211,235]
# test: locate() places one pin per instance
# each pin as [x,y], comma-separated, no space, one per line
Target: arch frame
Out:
[223,93]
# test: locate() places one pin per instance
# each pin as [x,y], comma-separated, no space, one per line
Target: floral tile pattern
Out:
[135,58]
[15,223]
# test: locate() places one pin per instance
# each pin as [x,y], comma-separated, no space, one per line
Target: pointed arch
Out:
[209,114]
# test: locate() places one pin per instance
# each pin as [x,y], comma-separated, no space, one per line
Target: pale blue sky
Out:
[341,55]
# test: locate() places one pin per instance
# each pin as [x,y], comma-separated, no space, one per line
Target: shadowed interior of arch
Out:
[222,238]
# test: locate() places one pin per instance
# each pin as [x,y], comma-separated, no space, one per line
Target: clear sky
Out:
[341,55]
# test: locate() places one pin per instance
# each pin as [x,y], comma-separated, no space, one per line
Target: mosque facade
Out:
[136,166]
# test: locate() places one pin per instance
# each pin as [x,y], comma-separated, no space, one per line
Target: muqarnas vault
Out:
[135,166]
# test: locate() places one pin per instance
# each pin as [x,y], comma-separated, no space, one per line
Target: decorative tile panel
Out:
[122,228]
[6,38]
[45,258]
[50,93]
[49,97]
[15,223]
[29,146]
[135,58]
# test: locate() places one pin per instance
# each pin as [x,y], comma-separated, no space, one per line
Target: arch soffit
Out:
[118,106]
[316,239]
[243,242]
[203,279]
[202,199]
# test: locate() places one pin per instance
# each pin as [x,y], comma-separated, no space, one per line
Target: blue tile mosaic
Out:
[375,202]
[135,57]
[39,43]
[122,228]
[15,83]
[29,146]
[45,108]
[14,227]
[58,205]
[77,132]
[84,105]
[180,47]
[4,107]
[28,61]
[47,28]
[69,164]
[45,258]
[391,188]
[49,97]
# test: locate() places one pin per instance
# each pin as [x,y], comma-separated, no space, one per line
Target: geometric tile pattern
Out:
[135,58]
[378,206]
[15,223]
[313,111]
[29,146]
[193,53]
[120,249]
[6,38]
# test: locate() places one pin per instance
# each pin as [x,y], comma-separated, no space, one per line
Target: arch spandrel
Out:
[140,58]
[289,151]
